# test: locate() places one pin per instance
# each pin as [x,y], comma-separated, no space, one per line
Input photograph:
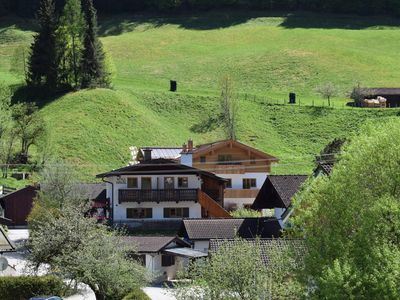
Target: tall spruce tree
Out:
[93,56]
[43,61]
[70,42]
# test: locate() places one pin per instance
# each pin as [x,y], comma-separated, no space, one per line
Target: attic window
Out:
[202,159]
[252,160]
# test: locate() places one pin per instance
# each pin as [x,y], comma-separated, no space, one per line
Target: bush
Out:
[25,287]
[137,294]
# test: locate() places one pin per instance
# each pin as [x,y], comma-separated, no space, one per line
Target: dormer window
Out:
[132,183]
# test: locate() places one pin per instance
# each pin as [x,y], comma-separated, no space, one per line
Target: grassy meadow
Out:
[267,55]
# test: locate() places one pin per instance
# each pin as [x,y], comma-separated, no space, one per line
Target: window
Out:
[176,212]
[139,213]
[167,260]
[169,183]
[132,183]
[202,159]
[252,160]
[183,182]
[228,183]
[224,158]
[249,183]
[146,183]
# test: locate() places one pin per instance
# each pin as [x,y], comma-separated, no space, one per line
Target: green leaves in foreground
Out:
[351,221]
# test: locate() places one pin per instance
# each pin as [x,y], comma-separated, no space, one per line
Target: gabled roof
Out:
[202,149]
[21,190]
[268,247]
[6,245]
[159,167]
[206,229]
[278,191]
[153,244]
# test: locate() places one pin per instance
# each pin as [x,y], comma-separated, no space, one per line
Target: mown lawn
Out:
[269,56]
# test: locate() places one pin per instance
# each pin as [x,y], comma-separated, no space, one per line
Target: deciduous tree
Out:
[229,107]
[351,221]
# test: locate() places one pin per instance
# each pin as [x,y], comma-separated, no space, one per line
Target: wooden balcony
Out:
[241,193]
[172,195]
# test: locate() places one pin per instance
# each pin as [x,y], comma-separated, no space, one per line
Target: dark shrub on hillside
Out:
[25,287]
[137,294]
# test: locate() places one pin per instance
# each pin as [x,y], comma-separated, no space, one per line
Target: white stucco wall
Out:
[158,209]
[237,183]
[237,179]
[201,246]
[194,182]
[160,273]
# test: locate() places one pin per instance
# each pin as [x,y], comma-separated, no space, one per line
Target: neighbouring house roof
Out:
[93,191]
[163,152]
[269,248]
[159,167]
[278,191]
[153,244]
[6,245]
[206,229]
[325,167]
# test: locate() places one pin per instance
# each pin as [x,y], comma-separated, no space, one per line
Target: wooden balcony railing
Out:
[169,195]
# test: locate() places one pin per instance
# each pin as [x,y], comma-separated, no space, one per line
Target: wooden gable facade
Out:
[231,157]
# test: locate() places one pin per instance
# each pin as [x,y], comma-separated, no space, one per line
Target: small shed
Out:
[392,95]
[18,204]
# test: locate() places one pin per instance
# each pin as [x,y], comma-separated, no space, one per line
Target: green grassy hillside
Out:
[268,56]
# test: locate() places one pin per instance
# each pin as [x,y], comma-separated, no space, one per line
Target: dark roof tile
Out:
[153,244]
[205,229]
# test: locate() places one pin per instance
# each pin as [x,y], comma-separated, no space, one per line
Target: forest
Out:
[26,8]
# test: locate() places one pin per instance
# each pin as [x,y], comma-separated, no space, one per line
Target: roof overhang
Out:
[185,252]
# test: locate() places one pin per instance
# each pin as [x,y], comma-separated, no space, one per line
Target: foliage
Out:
[24,7]
[25,287]
[245,213]
[229,107]
[137,294]
[76,246]
[327,91]
[237,271]
[29,127]
[351,220]
[331,151]
[93,56]
[43,61]
[357,93]
[70,42]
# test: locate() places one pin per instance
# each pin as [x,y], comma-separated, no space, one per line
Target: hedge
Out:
[25,287]
[137,294]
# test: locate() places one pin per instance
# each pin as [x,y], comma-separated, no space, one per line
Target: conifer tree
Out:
[70,42]
[43,61]
[93,66]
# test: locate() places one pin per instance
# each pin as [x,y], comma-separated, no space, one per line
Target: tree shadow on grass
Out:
[119,24]
[207,125]
[41,96]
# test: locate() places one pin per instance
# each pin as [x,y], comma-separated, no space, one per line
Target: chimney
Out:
[190,145]
[187,154]
[147,154]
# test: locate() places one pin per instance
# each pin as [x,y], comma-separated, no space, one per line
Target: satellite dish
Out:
[3,263]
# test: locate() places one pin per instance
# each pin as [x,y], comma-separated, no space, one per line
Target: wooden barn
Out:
[18,204]
[392,95]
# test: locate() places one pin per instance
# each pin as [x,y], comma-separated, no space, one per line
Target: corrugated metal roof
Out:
[166,153]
